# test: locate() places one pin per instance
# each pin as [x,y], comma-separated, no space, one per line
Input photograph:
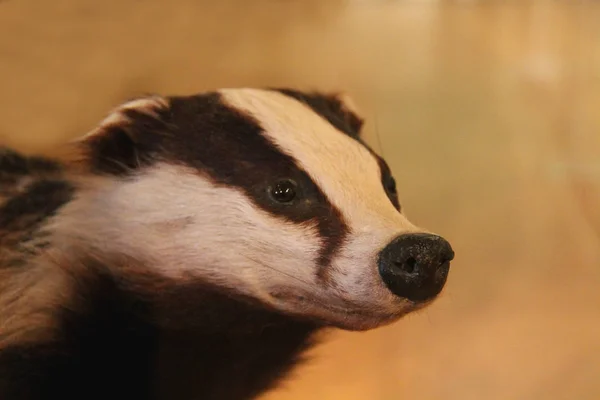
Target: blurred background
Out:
[487,111]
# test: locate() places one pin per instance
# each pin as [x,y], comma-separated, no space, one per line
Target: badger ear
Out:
[127,138]
[349,110]
[336,107]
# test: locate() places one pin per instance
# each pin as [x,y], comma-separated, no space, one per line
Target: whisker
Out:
[314,300]
[276,270]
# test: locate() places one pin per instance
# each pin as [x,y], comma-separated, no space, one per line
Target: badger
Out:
[193,247]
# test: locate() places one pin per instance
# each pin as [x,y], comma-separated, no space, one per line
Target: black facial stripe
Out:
[330,108]
[230,146]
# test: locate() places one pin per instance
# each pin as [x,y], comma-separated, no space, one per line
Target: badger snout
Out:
[415,266]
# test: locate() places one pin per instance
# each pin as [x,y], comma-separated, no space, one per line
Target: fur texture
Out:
[157,264]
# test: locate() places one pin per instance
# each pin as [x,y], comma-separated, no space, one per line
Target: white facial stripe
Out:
[344,169]
[184,224]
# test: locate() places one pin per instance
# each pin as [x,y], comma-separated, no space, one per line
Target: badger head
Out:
[269,195]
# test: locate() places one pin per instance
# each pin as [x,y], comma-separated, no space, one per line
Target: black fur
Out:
[15,168]
[388,182]
[32,189]
[39,201]
[13,164]
[112,345]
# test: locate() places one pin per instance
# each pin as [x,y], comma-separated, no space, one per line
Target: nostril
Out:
[407,266]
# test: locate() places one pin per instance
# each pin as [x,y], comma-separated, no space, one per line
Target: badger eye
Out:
[284,191]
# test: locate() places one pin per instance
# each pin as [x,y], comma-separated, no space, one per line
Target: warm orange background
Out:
[488,113]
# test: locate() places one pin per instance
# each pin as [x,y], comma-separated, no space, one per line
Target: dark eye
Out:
[284,191]
[391,185]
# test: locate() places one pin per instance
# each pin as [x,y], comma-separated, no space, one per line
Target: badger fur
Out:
[193,246]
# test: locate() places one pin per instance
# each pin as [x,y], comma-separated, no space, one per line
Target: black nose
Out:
[415,266]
